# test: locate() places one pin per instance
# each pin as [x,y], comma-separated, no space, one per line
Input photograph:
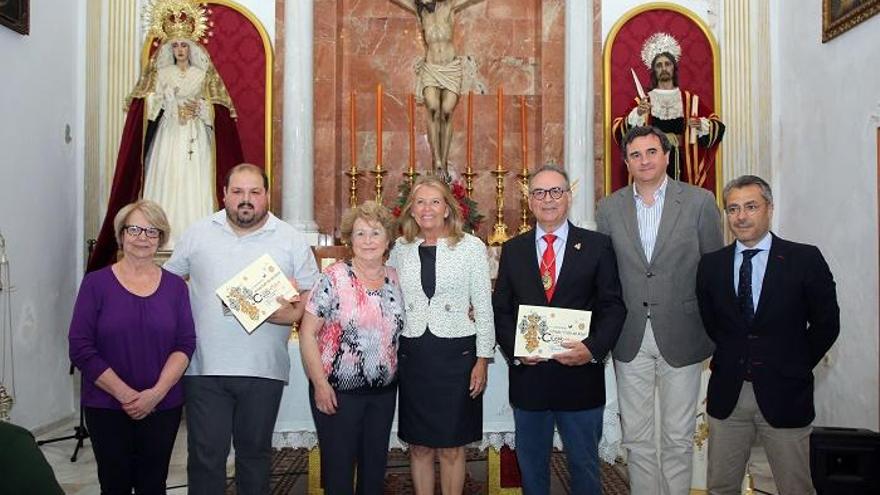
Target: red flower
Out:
[396,212]
[458,190]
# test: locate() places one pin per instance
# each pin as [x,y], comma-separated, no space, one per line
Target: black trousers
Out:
[222,408]
[132,454]
[357,435]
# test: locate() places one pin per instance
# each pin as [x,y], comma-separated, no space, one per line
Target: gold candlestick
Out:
[469,182]
[524,174]
[499,230]
[523,181]
[353,176]
[379,175]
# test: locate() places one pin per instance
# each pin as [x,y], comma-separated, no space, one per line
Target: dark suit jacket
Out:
[796,321]
[587,280]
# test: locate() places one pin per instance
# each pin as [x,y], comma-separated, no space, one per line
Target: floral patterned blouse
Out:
[358,342]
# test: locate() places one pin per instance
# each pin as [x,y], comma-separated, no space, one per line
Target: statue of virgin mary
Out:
[190,140]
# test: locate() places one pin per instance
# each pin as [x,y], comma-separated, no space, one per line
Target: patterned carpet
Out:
[613,483]
[290,468]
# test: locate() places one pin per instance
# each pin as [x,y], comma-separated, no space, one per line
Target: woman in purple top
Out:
[132,335]
[348,341]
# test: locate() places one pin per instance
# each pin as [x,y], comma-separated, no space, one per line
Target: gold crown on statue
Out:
[176,19]
[657,44]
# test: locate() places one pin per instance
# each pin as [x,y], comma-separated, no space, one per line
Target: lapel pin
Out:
[577,246]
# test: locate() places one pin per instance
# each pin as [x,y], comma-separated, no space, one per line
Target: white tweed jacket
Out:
[462,282]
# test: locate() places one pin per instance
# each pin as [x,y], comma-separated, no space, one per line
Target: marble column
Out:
[745,89]
[579,109]
[297,206]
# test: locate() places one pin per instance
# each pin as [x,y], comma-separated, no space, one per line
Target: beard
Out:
[245,215]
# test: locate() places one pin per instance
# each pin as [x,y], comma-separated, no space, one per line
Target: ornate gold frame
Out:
[267,49]
[19,21]
[831,28]
[606,61]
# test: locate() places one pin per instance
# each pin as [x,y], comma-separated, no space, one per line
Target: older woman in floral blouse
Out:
[348,340]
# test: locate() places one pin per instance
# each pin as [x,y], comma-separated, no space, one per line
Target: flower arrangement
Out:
[467,206]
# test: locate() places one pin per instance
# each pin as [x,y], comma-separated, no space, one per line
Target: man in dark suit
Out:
[660,227]
[770,306]
[558,265]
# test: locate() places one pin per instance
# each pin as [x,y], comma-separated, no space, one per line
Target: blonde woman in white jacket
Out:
[448,337]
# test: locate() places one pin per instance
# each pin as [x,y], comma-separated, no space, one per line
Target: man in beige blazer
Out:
[660,227]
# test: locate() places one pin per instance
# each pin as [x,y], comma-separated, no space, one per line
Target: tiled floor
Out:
[80,477]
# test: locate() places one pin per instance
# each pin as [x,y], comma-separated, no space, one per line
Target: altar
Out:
[294,427]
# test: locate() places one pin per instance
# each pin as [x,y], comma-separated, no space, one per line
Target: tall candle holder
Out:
[353,176]
[411,175]
[524,173]
[379,175]
[523,181]
[469,175]
[499,230]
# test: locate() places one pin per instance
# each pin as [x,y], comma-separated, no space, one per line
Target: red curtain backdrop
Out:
[240,57]
[696,73]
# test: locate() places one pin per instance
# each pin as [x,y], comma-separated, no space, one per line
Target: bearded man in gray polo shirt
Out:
[234,382]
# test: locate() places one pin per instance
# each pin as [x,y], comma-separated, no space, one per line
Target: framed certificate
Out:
[252,294]
[541,330]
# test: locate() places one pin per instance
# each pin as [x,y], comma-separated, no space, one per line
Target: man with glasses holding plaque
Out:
[660,227]
[562,266]
[770,306]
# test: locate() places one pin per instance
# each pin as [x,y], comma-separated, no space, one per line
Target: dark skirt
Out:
[435,407]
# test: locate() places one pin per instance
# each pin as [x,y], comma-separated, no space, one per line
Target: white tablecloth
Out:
[295,428]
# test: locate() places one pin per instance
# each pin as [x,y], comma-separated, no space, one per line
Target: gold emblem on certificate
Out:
[541,330]
[252,294]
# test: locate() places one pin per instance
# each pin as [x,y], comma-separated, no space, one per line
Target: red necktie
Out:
[548,267]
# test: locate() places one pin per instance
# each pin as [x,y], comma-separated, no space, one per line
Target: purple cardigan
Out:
[133,335]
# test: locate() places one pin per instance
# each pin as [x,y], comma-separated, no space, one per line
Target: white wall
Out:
[827,110]
[40,92]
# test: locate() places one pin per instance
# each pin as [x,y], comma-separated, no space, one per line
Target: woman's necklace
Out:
[362,274]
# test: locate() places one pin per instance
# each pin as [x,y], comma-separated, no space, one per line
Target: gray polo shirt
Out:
[210,253]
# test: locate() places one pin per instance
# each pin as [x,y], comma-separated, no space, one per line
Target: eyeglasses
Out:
[135,230]
[749,209]
[554,192]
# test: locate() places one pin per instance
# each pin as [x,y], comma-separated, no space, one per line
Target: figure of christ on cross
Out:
[439,74]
